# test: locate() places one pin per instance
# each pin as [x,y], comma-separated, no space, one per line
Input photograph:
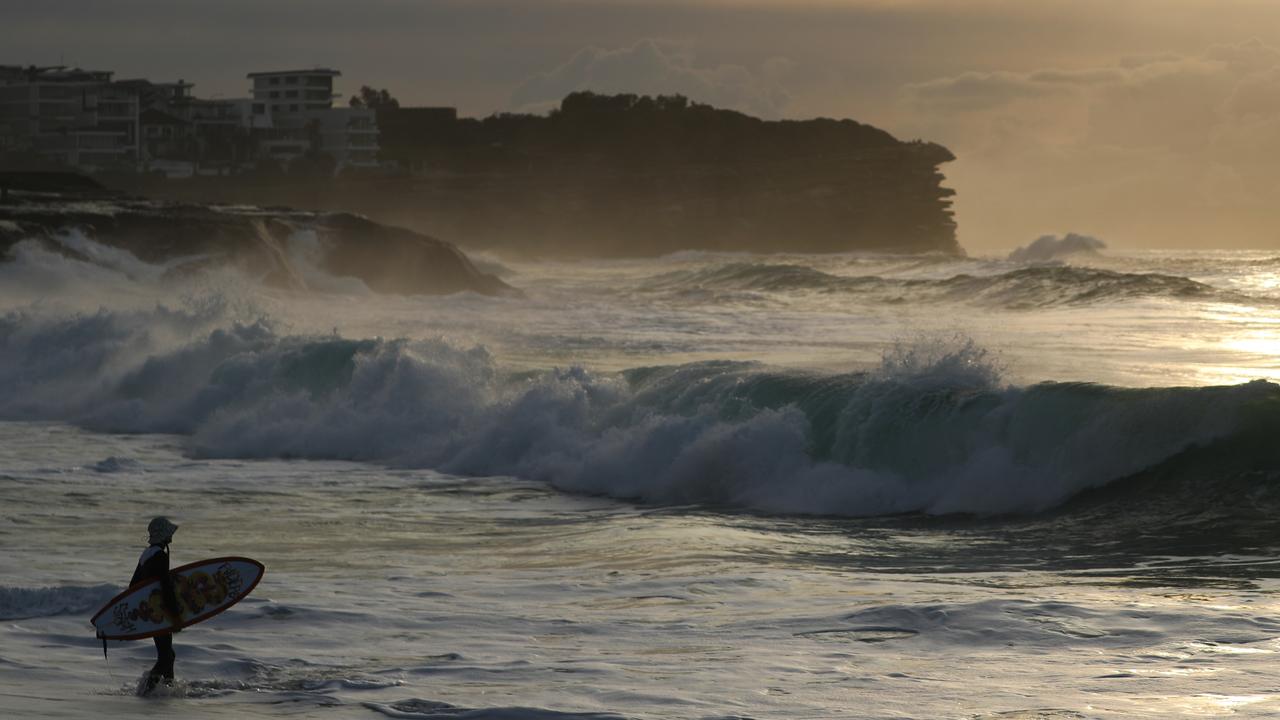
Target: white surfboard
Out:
[204,589]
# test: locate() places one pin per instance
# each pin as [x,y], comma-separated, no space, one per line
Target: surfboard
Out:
[204,589]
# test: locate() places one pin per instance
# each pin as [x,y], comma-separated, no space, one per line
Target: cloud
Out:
[1188,105]
[650,67]
[1178,146]
[1168,100]
[985,90]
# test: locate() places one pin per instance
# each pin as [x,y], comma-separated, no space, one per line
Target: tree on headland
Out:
[373,99]
[629,174]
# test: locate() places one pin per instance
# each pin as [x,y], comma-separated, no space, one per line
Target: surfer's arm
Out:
[167,590]
[170,597]
[155,564]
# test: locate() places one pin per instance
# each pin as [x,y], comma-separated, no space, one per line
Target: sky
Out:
[1146,123]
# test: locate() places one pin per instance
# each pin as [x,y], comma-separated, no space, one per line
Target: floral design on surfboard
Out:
[196,591]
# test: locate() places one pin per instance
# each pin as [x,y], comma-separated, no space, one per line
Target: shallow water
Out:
[736,497]
[397,590]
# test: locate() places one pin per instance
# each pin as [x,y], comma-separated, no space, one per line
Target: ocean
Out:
[707,485]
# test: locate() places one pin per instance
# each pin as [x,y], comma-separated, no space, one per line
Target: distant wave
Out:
[419,709]
[17,603]
[1050,248]
[932,430]
[1027,287]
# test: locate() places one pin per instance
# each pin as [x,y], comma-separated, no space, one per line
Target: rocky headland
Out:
[42,207]
[627,175]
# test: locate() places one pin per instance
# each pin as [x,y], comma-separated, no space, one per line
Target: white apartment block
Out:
[293,91]
[294,114]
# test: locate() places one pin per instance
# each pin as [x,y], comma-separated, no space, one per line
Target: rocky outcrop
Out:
[627,175]
[262,241]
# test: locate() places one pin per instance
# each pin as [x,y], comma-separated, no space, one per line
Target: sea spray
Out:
[931,430]
[1051,248]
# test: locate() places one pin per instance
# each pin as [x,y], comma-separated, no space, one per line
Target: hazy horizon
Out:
[1154,124]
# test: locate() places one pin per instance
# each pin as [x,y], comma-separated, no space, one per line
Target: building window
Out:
[259,109]
[292,94]
[275,94]
[275,81]
[292,80]
[293,108]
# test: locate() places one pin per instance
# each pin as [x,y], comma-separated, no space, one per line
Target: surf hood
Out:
[160,531]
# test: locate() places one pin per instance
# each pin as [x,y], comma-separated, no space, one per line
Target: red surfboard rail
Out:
[211,564]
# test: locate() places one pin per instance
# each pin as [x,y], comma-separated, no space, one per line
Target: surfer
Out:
[155,563]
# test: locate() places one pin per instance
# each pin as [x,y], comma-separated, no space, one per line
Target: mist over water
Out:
[740,436]
[779,384]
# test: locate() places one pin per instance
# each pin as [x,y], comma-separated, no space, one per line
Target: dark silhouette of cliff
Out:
[618,175]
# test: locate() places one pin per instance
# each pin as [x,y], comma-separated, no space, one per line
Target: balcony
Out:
[114,142]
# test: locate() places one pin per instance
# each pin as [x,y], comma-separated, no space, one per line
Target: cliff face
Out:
[191,236]
[637,175]
[627,175]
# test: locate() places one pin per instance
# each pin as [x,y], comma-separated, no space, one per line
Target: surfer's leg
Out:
[164,657]
[164,663]
[153,675]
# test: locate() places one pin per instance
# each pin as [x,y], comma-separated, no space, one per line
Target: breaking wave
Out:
[931,430]
[17,603]
[1022,288]
[1051,248]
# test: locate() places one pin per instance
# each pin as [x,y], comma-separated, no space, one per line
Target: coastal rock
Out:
[262,241]
[628,176]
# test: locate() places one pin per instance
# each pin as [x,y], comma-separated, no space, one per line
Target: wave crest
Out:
[932,430]
[1038,286]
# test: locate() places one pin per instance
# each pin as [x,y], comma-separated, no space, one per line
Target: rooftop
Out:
[312,71]
[151,83]
[35,73]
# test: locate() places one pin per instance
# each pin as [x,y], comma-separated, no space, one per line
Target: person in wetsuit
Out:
[155,563]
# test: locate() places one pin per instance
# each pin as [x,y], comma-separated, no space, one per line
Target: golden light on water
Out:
[1247,337]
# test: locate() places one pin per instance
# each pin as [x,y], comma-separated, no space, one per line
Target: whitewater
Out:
[707,485]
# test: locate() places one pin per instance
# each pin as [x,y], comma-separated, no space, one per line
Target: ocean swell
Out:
[1037,286]
[932,430]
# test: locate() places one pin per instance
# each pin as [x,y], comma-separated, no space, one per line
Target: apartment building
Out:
[292,91]
[85,119]
[70,116]
[294,116]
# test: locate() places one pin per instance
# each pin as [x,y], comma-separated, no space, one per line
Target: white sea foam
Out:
[306,254]
[931,430]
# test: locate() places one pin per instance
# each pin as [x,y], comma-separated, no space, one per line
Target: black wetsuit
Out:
[155,563]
